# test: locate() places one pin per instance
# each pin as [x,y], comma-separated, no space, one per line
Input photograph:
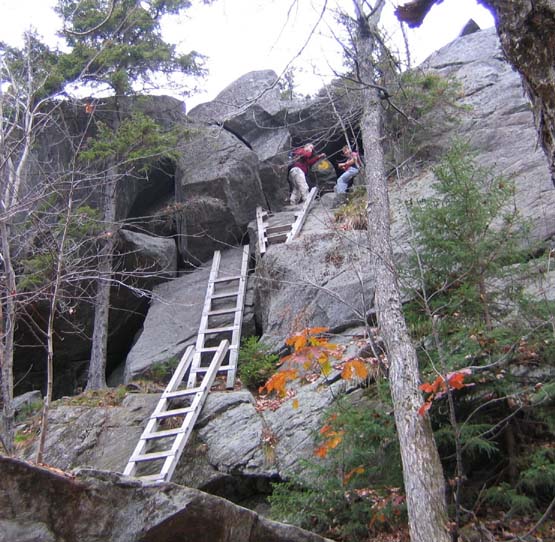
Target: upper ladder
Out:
[279,233]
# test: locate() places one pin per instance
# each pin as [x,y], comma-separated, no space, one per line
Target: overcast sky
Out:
[240,36]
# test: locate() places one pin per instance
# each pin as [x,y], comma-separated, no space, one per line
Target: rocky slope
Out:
[322,278]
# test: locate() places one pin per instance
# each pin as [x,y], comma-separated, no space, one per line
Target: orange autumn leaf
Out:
[456,381]
[317,341]
[354,368]
[333,441]
[426,387]
[321,451]
[278,382]
[295,404]
[434,387]
[325,429]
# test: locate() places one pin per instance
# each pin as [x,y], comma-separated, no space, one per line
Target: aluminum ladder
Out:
[171,423]
[225,299]
[281,233]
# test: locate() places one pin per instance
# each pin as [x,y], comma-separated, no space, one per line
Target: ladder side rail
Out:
[152,422]
[181,440]
[297,226]
[199,344]
[261,229]
[238,320]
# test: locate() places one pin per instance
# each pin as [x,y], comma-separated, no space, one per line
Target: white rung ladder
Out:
[158,445]
[280,233]
[231,302]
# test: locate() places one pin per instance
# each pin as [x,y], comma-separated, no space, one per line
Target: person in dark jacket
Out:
[303,159]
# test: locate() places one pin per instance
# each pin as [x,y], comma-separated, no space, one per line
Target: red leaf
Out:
[457,381]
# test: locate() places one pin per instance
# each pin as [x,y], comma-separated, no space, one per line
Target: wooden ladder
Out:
[159,448]
[230,302]
[280,233]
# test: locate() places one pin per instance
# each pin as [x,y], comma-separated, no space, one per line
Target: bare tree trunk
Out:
[97,368]
[50,328]
[7,328]
[422,471]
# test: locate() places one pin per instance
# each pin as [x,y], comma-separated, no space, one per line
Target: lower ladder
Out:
[170,425]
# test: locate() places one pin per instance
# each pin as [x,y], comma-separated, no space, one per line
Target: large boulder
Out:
[247,108]
[251,109]
[42,505]
[272,151]
[218,186]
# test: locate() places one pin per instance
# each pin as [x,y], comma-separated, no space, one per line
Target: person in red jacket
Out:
[303,158]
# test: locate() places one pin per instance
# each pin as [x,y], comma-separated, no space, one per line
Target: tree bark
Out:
[422,470]
[7,327]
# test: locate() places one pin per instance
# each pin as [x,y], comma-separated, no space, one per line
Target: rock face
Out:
[496,120]
[40,505]
[217,182]
[322,278]
[174,316]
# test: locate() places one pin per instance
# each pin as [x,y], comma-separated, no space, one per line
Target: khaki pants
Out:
[299,186]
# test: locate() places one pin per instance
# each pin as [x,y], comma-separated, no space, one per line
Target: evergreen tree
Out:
[468,233]
[118,44]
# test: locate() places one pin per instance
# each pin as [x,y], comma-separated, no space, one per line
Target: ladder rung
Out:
[151,478]
[204,369]
[163,434]
[180,393]
[223,295]
[218,330]
[227,279]
[277,237]
[213,348]
[173,412]
[278,229]
[223,311]
[151,456]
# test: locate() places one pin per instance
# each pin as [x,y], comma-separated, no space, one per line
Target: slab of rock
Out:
[322,278]
[41,505]
[150,257]
[99,437]
[174,314]
[497,121]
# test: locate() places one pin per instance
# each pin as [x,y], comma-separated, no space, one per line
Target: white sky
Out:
[240,36]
